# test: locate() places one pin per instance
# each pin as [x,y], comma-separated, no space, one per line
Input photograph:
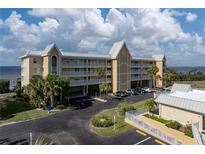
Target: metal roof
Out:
[181,87]
[114,51]
[183,103]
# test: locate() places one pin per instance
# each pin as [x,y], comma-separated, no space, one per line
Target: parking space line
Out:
[142,133]
[160,142]
[143,140]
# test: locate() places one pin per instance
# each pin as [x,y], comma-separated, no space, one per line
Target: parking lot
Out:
[72,127]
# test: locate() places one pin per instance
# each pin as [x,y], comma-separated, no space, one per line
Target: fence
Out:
[132,116]
[196,133]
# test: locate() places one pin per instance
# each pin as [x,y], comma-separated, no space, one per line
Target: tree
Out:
[35,91]
[52,87]
[149,105]
[100,73]
[64,84]
[104,88]
[18,88]
[153,72]
[169,76]
[4,86]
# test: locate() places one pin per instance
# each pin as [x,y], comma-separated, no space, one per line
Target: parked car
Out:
[146,89]
[139,90]
[121,94]
[131,92]
[118,93]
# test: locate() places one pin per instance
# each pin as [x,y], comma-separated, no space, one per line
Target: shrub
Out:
[173,124]
[124,107]
[60,107]
[102,121]
[159,119]
[4,86]
[188,131]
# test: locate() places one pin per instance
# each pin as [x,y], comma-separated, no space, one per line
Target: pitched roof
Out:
[114,51]
[181,87]
[183,103]
[184,97]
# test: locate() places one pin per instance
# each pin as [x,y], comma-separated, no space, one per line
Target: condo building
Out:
[122,70]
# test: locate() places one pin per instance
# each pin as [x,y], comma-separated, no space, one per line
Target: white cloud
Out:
[191,17]
[48,24]
[146,31]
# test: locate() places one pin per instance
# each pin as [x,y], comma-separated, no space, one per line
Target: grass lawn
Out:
[120,126]
[15,110]
[194,84]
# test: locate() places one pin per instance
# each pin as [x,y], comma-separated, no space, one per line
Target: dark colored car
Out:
[139,90]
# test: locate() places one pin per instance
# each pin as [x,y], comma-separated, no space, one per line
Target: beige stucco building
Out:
[122,70]
[183,104]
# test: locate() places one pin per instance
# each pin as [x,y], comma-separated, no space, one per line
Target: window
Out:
[35,70]
[34,60]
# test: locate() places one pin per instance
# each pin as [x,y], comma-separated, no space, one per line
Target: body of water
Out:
[11,73]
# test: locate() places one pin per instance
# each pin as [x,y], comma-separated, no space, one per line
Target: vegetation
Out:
[150,105]
[44,140]
[159,119]
[104,88]
[42,92]
[153,72]
[188,131]
[4,86]
[102,121]
[173,124]
[193,77]
[124,107]
[120,125]
[60,107]
[18,90]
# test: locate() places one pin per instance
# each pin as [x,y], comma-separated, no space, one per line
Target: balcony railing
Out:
[140,77]
[82,73]
[142,65]
[82,64]
[91,81]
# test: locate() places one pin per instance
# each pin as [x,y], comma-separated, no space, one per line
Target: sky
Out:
[177,33]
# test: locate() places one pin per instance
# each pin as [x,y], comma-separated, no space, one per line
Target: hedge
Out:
[102,121]
[173,124]
[125,107]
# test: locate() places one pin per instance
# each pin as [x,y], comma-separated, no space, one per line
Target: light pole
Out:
[114,122]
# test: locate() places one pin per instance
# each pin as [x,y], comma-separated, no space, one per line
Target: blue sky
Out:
[177,33]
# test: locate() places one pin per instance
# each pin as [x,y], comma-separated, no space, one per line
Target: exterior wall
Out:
[45,65]
[182,116]
[81,70]
[123,69]
[25,64]
[114,76]
[160,65]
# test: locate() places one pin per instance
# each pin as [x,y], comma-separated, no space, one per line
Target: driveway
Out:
[70,127]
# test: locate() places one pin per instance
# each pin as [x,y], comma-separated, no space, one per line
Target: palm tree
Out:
[153,72]
[35,90]
[64,84]
[149,105]
[100,73]
[53,87]
[104,87]
[169,76]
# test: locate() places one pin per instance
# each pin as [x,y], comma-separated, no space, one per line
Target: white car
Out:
[130,92]
[146,89]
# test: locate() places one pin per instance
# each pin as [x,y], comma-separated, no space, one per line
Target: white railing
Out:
[133,117]
[197,134]
[140,77]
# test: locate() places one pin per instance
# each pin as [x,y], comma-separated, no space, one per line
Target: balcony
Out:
[81,73]
[144,77]
[138,72]
[141,65]
[77,82]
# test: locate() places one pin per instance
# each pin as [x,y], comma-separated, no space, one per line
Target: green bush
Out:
[173,124]
[102,121]
[188,131]
[60,107]
[124,107]
[159,119]
[4,86]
